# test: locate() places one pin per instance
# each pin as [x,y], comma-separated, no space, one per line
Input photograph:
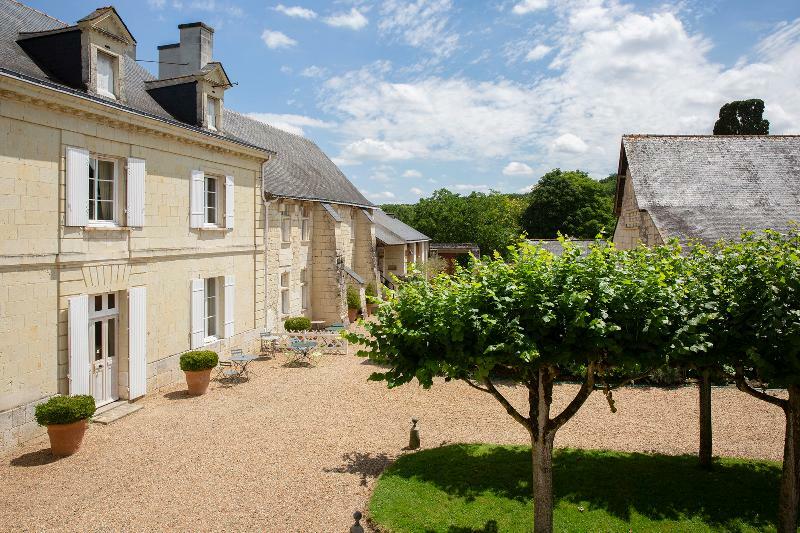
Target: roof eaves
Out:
[116,105]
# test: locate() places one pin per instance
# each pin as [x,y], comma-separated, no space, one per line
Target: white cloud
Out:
[157,4]
[515,168]
[314,72]
[376,150]
[285,69]
[296,11]
[421,23]
[416,191]
[411,173]
[383,195]
[277,39]
[537,52]
[469,187]
[289,122]
[528,6]
[616,71]
[213,6]
[569,143]
[352,19]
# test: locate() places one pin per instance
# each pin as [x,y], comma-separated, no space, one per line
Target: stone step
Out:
[115,411]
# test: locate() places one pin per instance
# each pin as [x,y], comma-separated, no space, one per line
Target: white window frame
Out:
[305,223]
[115,208]
[113,62]
[208,336]
[304,299]
[211,104]
[206,222]
[105,309]
[286,304]
[286,224]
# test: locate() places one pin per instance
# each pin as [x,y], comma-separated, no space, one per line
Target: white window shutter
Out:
[77,170]
[78,340]
[198,305]
[197,199]
[228,201]
[137,335]
[230,290]
[136,175]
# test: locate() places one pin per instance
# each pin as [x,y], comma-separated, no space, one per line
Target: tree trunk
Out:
[542,451]
[705,419]
[790,479]
[542,439]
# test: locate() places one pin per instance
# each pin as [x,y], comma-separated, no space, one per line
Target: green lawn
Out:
[484,488]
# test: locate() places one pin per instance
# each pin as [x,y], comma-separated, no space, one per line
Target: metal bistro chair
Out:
[225,370]
[269,342]
[242,365]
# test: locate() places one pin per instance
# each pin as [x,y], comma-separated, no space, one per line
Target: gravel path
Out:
[298,449]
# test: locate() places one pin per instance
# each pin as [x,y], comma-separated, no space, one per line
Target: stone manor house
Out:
[141,218]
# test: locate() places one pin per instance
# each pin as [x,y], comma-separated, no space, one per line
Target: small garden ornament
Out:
[413,439]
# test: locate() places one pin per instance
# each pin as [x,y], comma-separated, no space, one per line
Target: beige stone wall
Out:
[395,256]
[43,263]
[333,245]
[634,226]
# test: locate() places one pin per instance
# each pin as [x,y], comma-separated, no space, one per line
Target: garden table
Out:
[241,362]
[302,350]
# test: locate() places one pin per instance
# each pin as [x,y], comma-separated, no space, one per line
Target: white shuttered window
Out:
[230,290]
[136,178]
[198,315]
[78,340]
[137,354]
[196,199]
[228,201]
[77,182]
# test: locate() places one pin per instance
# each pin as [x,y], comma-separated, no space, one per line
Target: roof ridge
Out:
[26,6]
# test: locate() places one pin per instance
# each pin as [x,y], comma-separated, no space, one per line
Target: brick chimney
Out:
[190,55]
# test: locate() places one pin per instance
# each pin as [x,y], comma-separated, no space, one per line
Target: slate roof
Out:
[390,230]
[554,245]
[300,169]
[712,187]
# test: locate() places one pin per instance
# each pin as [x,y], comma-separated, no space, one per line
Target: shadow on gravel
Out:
[366,465]
[177,395]
[37,458]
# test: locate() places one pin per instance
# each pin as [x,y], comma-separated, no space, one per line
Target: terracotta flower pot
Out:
[197,381]
[65,439]
[352,314]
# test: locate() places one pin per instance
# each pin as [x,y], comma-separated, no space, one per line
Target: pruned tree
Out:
[763,305]
[608,316]
[742,117]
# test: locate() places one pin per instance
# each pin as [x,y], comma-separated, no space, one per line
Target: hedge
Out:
[297,323]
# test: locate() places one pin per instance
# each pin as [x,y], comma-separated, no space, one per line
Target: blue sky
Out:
[408,97]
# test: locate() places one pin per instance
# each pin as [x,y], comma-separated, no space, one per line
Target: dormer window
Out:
[211,112]
[106,74]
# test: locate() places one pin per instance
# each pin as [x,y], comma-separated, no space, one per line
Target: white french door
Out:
[103,340]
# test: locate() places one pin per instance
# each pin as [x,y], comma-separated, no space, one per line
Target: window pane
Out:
[285,301]
[105,190]
[98,303]
[92,215]
[105,73]
[98,340]
[105,210]
[211,287]
[105,170]
[211,215]
[111,337]
[111,301]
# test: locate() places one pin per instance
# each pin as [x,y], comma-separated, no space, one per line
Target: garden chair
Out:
[225,371]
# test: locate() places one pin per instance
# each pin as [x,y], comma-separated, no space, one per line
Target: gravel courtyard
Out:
[298,449]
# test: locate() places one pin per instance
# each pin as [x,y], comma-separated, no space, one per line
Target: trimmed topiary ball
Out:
[297,323]
[353,298]
[199,360]
[65,410]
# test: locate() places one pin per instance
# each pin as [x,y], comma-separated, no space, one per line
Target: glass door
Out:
[103,324]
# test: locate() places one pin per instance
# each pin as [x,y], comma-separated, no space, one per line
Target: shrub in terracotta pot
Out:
[297,323]
[66,418]
[353,303]
[197,367]
[371,295]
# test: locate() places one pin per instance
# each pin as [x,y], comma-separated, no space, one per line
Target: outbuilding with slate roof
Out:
[705,187]
[398,246]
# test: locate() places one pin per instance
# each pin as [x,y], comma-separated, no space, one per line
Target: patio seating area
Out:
[306,445]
